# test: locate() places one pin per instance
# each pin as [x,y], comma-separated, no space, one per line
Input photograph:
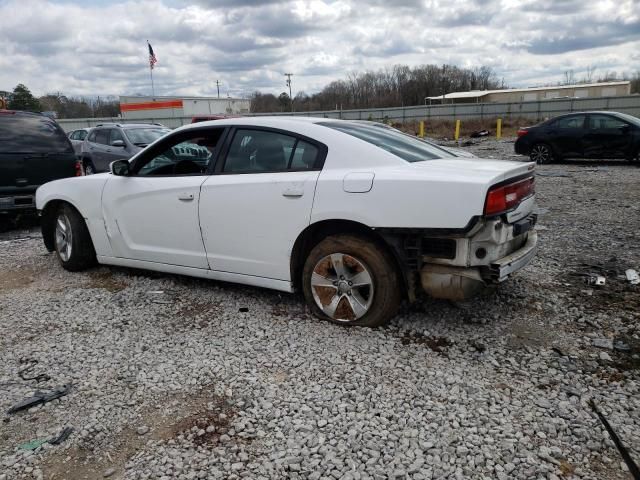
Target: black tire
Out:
[80,254]
[359,254]
[541,153]
[88,167]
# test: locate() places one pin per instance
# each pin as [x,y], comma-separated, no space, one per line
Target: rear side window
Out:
[406,147]
[31,134]
[570,122]
[102,136]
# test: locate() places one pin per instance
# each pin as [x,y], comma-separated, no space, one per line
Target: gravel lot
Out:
[181,378]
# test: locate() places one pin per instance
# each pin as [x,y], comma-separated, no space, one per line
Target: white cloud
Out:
[100,47]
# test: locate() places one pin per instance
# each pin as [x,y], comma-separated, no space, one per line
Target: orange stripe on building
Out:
[131,107]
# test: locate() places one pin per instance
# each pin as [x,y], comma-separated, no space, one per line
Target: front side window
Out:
[190,154]
[570,122]
[261,151]
[115,135]
[81,134]
[605,122]
[406,147]
[141,137]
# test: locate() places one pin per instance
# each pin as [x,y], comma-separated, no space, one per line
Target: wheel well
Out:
[315,233]
[48,221]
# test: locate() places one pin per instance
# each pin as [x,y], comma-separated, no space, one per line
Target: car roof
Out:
[129,125]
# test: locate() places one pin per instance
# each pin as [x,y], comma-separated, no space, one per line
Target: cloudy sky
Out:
[94,47]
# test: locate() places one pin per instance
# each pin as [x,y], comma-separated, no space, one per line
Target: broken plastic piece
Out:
[632,277]
[39,398]
[33,444]
[62,436]
[596,280]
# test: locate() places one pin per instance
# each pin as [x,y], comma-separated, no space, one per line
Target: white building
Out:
[132,108]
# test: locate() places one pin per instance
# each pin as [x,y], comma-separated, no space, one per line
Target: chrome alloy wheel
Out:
[342,287]
[541,154]
[63,237]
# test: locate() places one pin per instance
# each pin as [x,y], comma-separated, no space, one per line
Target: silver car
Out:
[77,137]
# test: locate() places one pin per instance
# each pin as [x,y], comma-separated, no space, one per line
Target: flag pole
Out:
[153,91]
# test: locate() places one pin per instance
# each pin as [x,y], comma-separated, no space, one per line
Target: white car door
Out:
[254,208]
[152,214]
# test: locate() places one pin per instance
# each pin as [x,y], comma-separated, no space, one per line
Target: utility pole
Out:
[288,75]
[218,87]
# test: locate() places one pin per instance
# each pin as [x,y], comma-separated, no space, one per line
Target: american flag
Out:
[152,57]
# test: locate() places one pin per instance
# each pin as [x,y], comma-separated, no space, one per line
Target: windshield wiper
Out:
[140,144]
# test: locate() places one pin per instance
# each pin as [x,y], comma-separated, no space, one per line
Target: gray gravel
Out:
[170,380]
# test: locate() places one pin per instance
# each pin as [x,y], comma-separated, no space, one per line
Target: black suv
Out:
[33,150]
[113,141]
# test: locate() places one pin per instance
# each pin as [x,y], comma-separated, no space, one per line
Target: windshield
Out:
[407,147]
[145,135]
[31,134]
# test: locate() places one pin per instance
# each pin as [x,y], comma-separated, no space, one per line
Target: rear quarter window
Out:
[31,134]
[406,147]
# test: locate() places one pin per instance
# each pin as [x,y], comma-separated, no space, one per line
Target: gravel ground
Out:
[174,377]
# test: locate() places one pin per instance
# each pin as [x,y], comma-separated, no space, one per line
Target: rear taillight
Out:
[521,132]
[79,171]
[503,198]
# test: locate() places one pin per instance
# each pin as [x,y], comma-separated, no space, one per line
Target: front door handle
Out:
[293,192]
[185,197]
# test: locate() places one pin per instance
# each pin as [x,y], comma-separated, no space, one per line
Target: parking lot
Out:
[173,377]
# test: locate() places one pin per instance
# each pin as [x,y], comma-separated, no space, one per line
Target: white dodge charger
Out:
[356,217]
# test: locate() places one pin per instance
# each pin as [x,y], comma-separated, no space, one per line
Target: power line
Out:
[288,83]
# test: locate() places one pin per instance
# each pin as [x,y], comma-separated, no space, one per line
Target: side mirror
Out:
[118,143]
[120,168]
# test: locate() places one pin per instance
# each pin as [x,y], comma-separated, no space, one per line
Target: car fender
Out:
[85,195]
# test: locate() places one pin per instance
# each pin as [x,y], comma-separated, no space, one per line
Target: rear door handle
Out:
[185,197]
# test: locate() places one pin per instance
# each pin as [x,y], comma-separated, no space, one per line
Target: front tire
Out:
[351,280]
[541,153]
[72,240]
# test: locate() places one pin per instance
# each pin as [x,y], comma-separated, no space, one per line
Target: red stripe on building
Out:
[131,107]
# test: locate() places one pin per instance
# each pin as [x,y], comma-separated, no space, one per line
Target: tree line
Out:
[21,98]
[389,87]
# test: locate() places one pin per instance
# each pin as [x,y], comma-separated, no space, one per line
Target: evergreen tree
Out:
[22,99]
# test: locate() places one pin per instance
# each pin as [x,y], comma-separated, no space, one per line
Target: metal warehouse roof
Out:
[482,93]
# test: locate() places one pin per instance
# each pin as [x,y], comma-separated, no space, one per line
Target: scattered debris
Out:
[62,436]
[33,444]
[39,398]
[480,133]
[620,346]
[632,276]
[41,377]
[605,357]
[57,440]
[143,430]
[603,343]
[595,280]
[243,309]
[633,468]
[107,473]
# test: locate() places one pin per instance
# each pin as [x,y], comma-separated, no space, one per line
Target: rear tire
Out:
[541,153]
[351,280]
[72,240]
[89,169]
